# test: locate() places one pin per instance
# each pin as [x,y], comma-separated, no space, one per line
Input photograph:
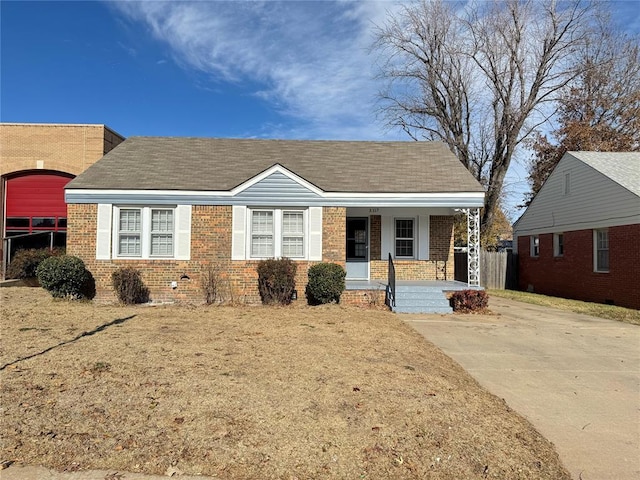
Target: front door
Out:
[357,248]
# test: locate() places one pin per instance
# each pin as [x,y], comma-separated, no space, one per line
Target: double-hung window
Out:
[405,237]
[277,233]
[145,232]
[558,244]
[601,250]
[535,246]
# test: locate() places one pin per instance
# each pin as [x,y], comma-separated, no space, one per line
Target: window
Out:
[535,245]
[277,233]
[601,250]
[262,233]
[161,233]
[145,232]
[292,234]
[567,183]
[558,244]
[404,237]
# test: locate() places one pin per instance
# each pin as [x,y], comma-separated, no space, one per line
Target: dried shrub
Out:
[211,284]
[25,262]
[129,287]
[326,283]
[466,301]
[276,281]
[64,276]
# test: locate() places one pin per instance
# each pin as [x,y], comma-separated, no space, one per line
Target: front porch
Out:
[411,296]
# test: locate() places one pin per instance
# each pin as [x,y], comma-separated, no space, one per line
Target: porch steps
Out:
[421,299]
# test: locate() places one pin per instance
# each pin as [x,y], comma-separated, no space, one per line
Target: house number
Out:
[374,210]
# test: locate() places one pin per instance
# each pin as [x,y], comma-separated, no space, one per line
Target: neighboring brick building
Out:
[36,162]
[579,237]
[173,207]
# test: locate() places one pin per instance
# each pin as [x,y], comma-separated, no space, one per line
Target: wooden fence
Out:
[498,270]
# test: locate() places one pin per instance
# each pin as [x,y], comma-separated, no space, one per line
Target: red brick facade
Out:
[572,275]
[211,246]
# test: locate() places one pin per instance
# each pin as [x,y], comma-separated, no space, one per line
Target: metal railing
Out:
[390,295]
[8,246]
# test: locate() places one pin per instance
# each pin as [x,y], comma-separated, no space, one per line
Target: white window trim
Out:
[277,232]
[145,234]
[556,245]
[414,239]
[595,250]
[532,246]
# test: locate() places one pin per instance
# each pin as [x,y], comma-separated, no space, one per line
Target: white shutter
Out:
[423,237]
[238,236]
[315,233]
[387,235]
[103,232]
[183,232]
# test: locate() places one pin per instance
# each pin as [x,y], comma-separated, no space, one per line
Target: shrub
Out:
[211,284]
[64,276]
[276,281]
[469,301]
[326,283]
[25,262]
[129,287]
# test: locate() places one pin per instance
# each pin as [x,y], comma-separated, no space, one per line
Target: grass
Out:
[248,392]
[611,312]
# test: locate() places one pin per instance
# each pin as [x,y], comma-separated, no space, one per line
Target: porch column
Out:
[473,246]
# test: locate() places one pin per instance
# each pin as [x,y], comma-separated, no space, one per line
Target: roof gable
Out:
[276,182]
[621,167]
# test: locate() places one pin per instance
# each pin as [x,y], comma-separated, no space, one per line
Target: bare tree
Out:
[478,76]
[600,111]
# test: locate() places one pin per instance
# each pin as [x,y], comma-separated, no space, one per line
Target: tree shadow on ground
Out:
[100,328]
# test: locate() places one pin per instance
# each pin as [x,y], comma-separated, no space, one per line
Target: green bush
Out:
[276,281]
[25,262]
[326,283]
[469,301]
[64,276]
[129,287]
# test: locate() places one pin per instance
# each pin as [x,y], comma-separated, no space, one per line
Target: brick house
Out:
[579,237]
[36,162]
[172,206]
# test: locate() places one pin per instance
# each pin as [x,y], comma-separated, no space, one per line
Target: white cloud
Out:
[310,59]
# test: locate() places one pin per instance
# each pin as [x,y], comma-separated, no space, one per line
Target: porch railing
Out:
[390,296]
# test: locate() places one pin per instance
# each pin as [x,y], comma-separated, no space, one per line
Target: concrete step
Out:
[428,310]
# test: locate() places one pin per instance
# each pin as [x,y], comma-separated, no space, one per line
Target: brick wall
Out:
[440,263]
[572,275]
[64,148]
[210,246]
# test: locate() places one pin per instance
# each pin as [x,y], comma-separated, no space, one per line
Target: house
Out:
[579,237]
[172,206]
[37,161]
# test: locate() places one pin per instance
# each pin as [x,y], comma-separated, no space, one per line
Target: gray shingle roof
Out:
[621,167]
[211,164]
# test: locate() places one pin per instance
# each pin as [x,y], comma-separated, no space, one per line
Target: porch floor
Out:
[444,285]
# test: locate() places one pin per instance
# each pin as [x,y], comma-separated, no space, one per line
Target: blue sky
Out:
[219,69]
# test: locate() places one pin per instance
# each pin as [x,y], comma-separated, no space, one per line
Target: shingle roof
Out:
[621,167]
[211,164]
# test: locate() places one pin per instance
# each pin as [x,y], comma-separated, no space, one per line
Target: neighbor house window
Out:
[405,238]
[567,183]
[535,246]
[558,244]
[601,250]
[277,233]
[145,232]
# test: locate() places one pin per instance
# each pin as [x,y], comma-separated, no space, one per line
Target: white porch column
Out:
[473,246]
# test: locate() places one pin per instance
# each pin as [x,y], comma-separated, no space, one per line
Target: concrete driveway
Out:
[575,377]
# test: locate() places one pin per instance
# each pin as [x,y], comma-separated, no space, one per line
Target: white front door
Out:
[357,260]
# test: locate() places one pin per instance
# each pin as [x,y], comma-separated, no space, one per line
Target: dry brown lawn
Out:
[248,393]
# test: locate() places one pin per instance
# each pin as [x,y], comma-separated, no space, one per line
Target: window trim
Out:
[596,249]
[412,238]
[534,246]
[558,246]
[145,233]
[278,235]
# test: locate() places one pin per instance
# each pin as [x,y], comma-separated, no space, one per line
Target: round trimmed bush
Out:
[63,276]
[326,283]
[276,281]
